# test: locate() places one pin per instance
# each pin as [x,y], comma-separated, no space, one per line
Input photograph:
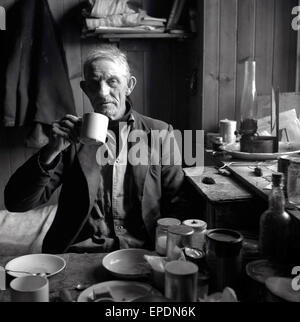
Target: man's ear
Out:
[131,85]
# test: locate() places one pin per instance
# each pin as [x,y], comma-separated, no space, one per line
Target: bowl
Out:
[128,263]
[35,264]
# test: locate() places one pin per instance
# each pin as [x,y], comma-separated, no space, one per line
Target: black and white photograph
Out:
[150,152]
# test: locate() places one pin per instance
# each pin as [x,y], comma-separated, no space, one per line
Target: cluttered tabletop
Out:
[137,275]
[120,276]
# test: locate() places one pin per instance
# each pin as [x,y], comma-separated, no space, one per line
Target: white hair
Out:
[108,52]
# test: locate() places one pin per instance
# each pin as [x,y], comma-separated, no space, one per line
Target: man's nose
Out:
[103,88]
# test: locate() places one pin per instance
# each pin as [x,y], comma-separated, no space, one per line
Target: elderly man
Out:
[102,207]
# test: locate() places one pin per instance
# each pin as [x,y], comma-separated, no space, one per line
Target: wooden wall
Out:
[237,30]
[191,84]
[157,64]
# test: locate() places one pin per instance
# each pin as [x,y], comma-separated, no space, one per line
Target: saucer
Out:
[117,291]
[127,263]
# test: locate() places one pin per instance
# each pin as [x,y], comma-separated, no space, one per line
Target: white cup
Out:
[227,130]
[94,128]
[29,289]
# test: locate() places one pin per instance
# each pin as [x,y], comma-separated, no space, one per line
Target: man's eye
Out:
[112,81]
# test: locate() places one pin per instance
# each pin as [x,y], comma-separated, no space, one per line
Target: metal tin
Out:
[293,183]
[167,222]
[195,256]
[283,166]
[223,258]
[178,238]
[180,230]
[199,226]
[228,130]
[283,163]
[196,224]
[181,281]
[162,234]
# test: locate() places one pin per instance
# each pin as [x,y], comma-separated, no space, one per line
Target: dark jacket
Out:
[34,85]
[158,189]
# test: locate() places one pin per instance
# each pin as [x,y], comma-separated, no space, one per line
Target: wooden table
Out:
[227,203]
[85,269]
[243,172]
[238,201]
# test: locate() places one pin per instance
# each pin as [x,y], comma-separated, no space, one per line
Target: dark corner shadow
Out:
[73,20]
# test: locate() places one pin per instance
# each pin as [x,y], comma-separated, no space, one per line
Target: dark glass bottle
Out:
[274,233]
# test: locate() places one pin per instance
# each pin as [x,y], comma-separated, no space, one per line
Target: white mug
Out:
[94,128]
[29,289]
[227,130]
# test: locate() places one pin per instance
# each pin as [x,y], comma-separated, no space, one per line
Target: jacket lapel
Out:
[140,171]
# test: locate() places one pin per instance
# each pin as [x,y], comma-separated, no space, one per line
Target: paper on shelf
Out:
[139,29]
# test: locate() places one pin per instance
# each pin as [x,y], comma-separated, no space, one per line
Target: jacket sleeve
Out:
[32,185]
[173,195]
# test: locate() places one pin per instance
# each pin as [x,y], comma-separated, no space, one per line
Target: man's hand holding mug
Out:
[90,129]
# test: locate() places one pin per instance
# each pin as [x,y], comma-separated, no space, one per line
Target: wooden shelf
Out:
[147,35]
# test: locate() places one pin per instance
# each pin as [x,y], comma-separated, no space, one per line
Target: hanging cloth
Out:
[36,89]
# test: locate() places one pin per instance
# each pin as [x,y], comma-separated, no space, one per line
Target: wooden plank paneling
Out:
[264,42]
[146,91]
[287,101]
[135,56]
[211,56]
[158,75]
[195,63]
[228,50]
[87,45]
[281,45]
[181,82]
[136,61]
[245,45]
[263,33]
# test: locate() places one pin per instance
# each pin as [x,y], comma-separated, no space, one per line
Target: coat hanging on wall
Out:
[34,82]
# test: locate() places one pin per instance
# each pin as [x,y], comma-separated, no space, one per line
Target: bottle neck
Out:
[276,200]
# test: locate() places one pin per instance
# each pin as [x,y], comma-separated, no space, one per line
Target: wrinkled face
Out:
[107,84]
